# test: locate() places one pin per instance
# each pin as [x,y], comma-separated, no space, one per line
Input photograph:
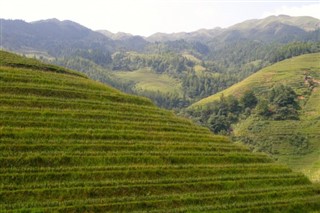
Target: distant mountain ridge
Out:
[306,23]
[18,34]
[202,63]
[284,22]
[115,36]
[297,24]
[67,30]
[52,37]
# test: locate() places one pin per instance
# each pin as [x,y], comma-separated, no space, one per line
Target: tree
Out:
[282,96]
[249,100]
[233,104]
[263,108]
[218,123]
[281,104]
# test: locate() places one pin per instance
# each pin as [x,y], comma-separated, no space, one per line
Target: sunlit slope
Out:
[69,144]
[15,61]
[290,71]
[293,142]
[147,80]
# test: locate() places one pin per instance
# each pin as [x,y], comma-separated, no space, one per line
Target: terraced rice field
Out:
[70,144]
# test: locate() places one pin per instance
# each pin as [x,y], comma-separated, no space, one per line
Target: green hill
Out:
[293,142]
[70,144]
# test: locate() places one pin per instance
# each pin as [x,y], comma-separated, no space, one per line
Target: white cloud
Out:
[304,10]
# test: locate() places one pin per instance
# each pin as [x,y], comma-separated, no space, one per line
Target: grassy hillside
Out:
[290,71]
[69,144]
[147,80]
[12,60]
[294,142]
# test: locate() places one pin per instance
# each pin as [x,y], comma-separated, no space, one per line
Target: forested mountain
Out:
[52,37]
[174,70]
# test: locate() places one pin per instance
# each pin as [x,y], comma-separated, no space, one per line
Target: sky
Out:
[145,17]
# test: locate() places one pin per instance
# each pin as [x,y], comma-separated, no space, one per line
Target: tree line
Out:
[279,103]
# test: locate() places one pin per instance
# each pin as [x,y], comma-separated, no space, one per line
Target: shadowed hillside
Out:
[70,144]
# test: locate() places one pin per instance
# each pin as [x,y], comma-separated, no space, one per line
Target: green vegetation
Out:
[285,122]
[164,90]
[281,104]
[173,75]
[291,72]
[173,78]
[219,115]
[147,80]
[69,144]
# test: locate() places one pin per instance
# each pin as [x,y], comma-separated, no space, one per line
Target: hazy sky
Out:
[145,17]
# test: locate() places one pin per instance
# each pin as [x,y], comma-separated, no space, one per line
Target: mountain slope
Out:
[69,144]
[51,36]
[293,142]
